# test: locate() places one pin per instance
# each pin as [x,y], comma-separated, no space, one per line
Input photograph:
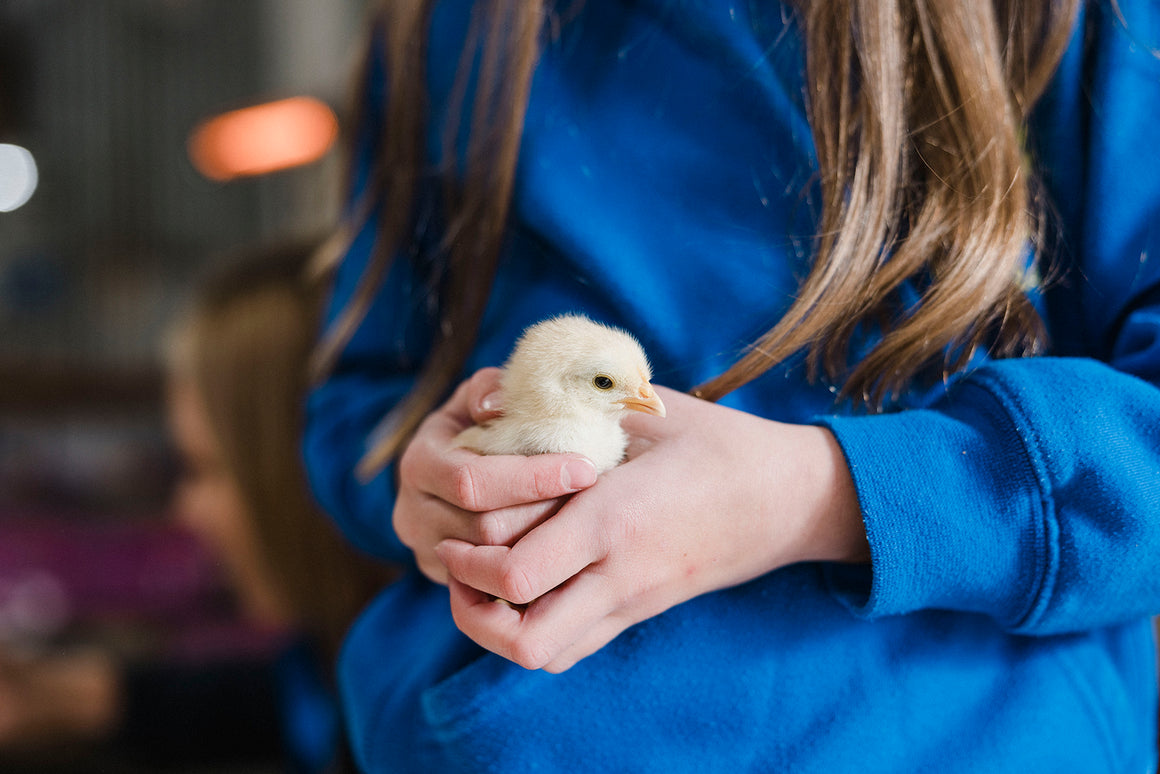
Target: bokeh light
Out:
[18,176]
[263,138]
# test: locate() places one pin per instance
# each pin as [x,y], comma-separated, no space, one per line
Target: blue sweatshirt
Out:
[666,185]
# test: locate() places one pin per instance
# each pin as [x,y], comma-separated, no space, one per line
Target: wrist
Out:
[832,529]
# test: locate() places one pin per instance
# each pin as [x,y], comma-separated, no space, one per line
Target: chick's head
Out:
[571,364]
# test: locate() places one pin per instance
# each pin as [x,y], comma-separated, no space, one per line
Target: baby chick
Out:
[566,386]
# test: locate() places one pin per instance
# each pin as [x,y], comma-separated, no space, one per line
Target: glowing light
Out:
[18,176]
[263,138]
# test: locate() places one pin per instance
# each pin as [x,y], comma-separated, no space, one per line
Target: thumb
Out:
[484,396]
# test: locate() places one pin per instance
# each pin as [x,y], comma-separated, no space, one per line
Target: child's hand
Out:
[709,498]
[449,492]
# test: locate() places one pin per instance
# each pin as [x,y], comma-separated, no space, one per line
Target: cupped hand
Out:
[709,498]
[449,492]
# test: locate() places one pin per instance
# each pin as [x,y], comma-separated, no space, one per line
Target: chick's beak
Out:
[646,400]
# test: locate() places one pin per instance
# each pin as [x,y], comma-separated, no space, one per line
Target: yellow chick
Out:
[566,386]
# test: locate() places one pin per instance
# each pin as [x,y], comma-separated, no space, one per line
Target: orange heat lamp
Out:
[263,138]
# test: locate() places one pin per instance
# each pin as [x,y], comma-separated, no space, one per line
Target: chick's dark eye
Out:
[602,382]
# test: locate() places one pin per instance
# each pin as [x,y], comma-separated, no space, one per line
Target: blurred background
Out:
[130,155]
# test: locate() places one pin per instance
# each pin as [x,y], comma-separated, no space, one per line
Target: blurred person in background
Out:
[236,380]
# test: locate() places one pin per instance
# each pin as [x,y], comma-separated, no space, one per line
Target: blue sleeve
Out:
[374,372]
[1031,491]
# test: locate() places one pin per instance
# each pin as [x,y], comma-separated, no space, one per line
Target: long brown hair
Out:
[917,110]
[244,346]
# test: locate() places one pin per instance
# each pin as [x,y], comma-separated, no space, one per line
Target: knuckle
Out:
[403,523]
[403,530]
[414,458]
[530,653]
[465,487]
[492,529]
[516,585]
[545,482]
[407,463]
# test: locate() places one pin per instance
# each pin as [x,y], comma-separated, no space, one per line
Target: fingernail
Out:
[490,402]
[578,474]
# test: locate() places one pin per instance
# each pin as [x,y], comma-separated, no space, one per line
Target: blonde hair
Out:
[917,110]
[244,346]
